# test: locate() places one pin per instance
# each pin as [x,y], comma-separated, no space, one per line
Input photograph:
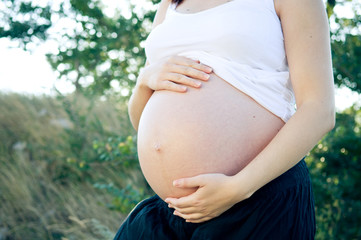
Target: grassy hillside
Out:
[55,179]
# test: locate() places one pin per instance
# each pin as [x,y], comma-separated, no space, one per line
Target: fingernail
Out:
[175,183]
[208,69]
[206,76]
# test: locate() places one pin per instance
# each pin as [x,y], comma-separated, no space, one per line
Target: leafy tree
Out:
[94,51]
[24,21]
[346,48]
[335,165]
[100,49]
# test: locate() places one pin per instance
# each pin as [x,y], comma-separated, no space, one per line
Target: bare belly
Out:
[214,129]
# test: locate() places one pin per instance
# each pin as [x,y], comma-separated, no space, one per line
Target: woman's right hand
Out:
[176,73]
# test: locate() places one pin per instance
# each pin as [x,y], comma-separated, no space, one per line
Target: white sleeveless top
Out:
[241,40]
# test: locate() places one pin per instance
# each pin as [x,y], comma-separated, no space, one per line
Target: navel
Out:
[156,147]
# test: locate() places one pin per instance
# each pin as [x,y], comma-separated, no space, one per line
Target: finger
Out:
[183,202]
[187,210]
[171,86]
[190,72]
[191,182]
[180,60]
[182,79]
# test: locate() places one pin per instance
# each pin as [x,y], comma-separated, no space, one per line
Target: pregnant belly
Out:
[214,129]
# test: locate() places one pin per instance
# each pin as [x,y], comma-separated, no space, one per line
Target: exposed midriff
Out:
[213,129]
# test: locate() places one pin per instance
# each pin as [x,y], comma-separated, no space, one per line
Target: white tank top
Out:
[241,40]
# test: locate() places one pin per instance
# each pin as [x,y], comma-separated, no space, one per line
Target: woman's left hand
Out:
[216,193]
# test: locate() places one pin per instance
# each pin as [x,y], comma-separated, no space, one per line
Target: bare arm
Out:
[142,93]
[307,44]
[137,102]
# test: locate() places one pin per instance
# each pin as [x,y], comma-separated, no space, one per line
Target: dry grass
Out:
[34,207]
[35,203]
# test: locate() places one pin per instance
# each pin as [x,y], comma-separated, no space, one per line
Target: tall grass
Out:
[48,167]
[34,207]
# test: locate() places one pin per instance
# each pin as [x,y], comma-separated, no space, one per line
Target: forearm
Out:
[297,137]
[142,93]
[137,102]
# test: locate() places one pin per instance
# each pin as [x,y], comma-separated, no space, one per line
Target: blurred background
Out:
[68,161]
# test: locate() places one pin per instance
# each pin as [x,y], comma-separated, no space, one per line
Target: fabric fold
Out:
[266,87]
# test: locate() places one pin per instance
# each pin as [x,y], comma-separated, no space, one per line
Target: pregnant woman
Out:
[219,138]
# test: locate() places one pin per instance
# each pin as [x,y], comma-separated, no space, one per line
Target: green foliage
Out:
[335,165]
[123,151]
[102,50]
[92,148]
[347,61]
[346,48]
[122,154]
[24,21]
[124,199]
[94,53]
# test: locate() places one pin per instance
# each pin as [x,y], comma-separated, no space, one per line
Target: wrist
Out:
[242,187]
[142,83]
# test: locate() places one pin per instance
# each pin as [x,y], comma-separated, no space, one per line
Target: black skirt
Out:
[282,209]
